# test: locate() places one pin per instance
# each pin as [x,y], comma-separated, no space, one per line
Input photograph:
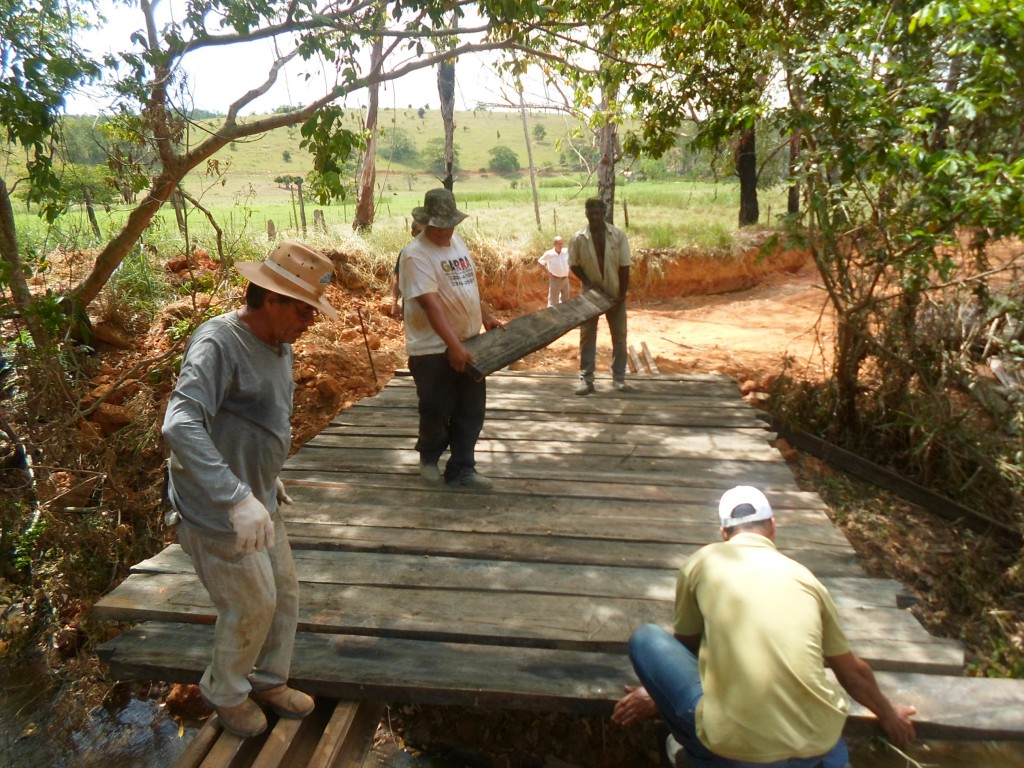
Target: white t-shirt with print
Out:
[450,273]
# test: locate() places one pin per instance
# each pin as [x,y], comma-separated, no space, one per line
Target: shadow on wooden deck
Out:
[524,597]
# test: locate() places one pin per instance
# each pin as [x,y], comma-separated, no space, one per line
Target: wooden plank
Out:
[634,360]
[499,347]
[632,478]
[621,410]
[673,439]
[334,735]
[563,439]
[889,637]
[452,574]
[956,708]
[224,751]
[197,749]
[652,366]
[356,568]
[912,492]
[360,740]
[278,742]
[699,502]
[817,532]
[387,669]
[540,549]
[533,476]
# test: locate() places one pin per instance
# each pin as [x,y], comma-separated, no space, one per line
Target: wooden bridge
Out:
[524,596]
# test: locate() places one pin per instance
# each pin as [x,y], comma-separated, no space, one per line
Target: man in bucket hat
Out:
[443,309]
[743,680]
[228,425]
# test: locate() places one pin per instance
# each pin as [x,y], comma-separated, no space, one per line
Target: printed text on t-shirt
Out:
[458,271]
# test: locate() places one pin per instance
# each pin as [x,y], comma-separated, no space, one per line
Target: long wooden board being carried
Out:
[498,347]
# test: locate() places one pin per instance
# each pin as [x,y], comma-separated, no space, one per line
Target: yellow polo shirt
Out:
[767,624]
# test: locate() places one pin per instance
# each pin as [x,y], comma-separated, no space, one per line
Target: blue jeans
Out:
[668,671]
[616,317]
[451,407]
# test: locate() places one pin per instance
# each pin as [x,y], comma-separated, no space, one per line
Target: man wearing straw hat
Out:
[443,309]
[228,425]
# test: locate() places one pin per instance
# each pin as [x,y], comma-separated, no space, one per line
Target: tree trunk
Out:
[16,275]
[178,203]
[608,143]
[91,211]
[446,90]
[302,205]
[363,219]
[529,157]
[746,168]
[793,200]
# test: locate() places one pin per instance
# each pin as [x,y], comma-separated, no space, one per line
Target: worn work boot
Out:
[243,720]
[621,385]
[470,479]
[430,472]
[585,388]
[287,702]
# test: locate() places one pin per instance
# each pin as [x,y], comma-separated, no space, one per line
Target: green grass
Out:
[237,187]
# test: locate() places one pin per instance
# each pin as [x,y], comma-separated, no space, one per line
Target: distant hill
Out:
[409,135]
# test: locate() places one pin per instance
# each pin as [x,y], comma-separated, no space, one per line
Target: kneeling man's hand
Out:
[635,707]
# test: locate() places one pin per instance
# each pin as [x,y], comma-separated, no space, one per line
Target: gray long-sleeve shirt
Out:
[228,422]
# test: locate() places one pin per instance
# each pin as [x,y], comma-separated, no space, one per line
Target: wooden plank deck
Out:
[524,596]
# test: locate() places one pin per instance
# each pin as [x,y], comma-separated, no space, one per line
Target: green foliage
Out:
[434,160]
[539,132]
[503,160]
[396,145]
[330,145]
[137,289]
[41,63]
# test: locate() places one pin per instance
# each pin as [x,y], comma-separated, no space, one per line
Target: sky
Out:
[218,76]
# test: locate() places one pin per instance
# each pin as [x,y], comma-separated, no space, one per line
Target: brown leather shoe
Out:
[244,720]
[287,702]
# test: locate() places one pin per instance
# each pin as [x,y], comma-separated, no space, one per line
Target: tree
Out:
[435,160]
[446,92]
[363,218]
[539,132]
[40,65]
[152,90]
[503,160]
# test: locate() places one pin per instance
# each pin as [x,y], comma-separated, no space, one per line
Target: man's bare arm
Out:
[856,677]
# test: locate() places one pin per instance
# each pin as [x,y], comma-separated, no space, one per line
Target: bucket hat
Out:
[438,210]
[294,270]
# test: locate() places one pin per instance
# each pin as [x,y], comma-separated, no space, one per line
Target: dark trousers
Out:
[451,408]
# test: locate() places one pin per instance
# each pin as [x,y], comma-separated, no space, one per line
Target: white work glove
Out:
[254,529]
[282,494]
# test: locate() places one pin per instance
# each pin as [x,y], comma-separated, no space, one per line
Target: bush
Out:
[504,160]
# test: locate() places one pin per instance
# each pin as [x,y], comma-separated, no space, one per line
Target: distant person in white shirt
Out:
[556,261]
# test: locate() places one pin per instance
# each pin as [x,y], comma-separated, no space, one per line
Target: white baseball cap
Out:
[743,496]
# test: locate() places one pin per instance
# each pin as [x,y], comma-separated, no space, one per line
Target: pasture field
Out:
[238,189]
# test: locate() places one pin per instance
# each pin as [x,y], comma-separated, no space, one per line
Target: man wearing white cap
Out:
[743,680]
[443,309]
[228,425]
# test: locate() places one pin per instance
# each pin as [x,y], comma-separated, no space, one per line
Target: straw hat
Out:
[295,270]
